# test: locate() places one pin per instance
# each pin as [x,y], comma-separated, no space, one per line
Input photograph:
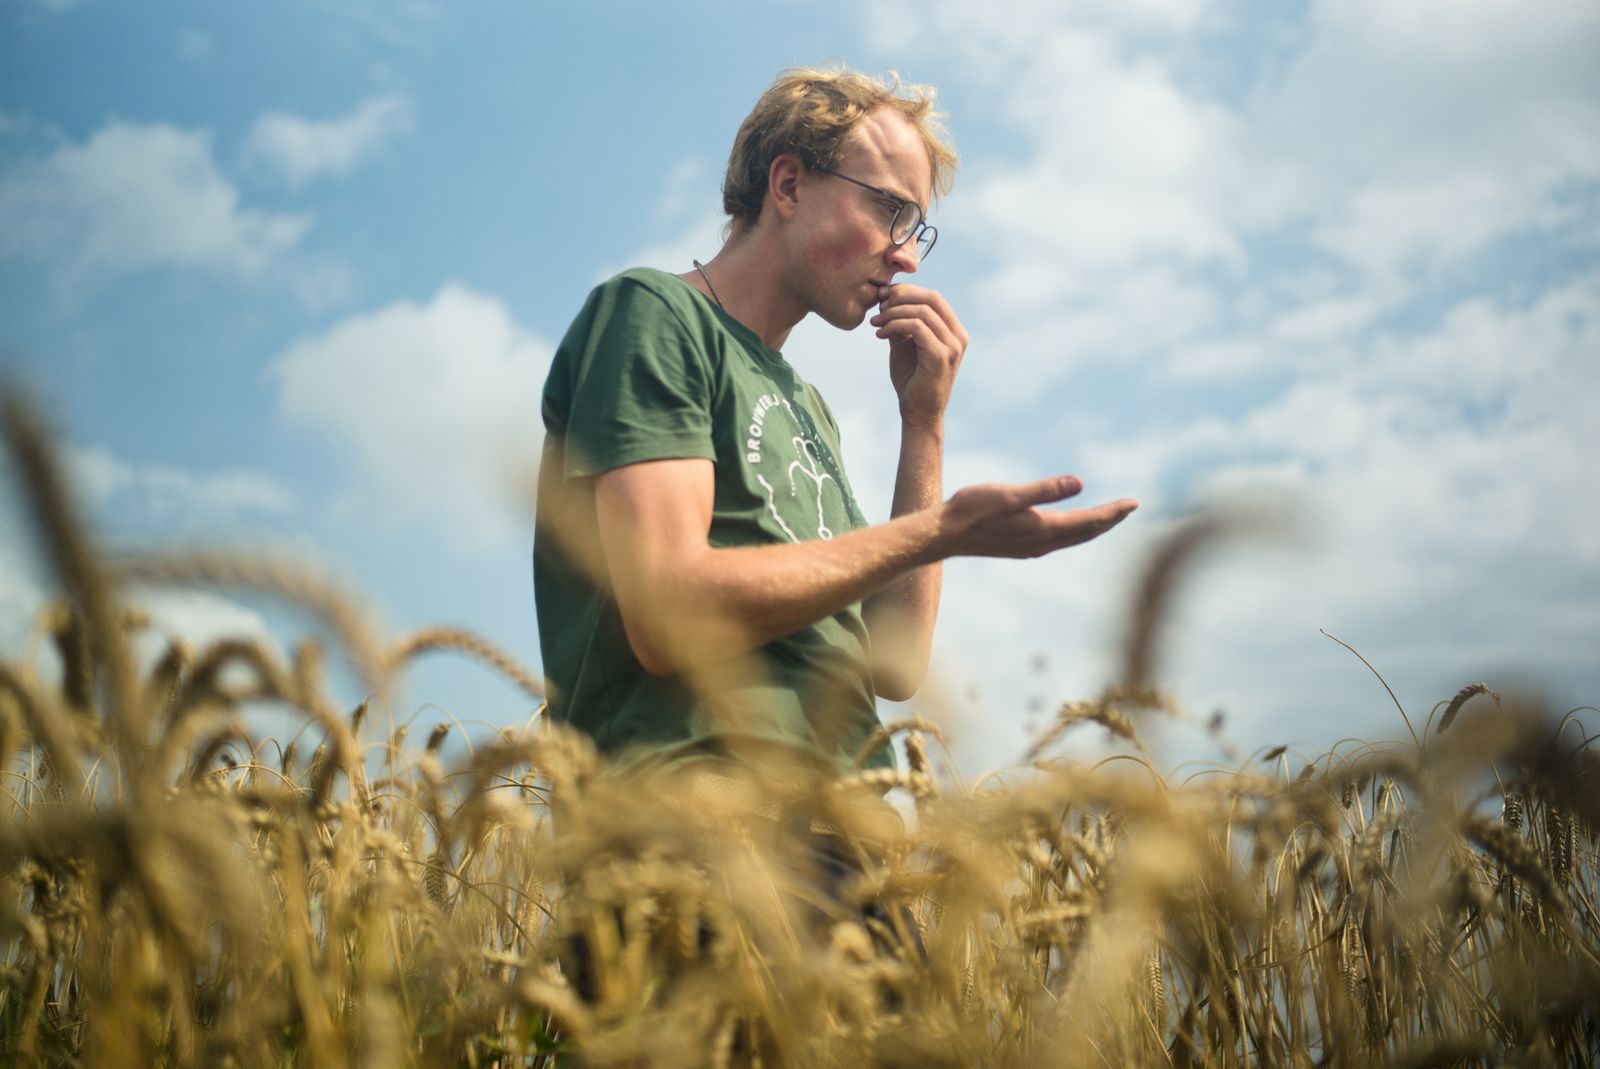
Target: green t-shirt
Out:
[650,370]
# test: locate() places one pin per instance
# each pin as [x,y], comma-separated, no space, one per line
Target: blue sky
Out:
[289,275]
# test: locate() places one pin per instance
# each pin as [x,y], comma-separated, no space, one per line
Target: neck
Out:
[751,290]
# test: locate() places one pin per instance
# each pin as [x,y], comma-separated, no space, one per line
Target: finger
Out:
[1111,512]
[914,297]
[1081,525]
[906,293]
[917,334]
[1045,491]
[938,330]
[902,293]
[920,335]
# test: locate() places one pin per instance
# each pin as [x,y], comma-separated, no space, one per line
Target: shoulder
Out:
[642,297]
[649,284]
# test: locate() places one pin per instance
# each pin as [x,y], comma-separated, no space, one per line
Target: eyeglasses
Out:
[907,221]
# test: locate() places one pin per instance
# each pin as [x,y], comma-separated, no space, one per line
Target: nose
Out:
[904,257]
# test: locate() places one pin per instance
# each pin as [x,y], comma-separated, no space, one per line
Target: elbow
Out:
[651,654]
[898,682]
[653,663]
[673,642]
[670,648]
[894,691]
[899,661]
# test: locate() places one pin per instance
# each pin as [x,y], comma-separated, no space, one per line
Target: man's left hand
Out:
[926,344]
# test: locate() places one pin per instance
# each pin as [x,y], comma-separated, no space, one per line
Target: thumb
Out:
[1055,488]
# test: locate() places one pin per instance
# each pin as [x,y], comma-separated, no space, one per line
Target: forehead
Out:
[886,150]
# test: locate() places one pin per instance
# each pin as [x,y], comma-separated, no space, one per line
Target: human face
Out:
[906,224]
[848,252]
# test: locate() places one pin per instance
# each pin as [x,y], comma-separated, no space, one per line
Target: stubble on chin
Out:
[851,318]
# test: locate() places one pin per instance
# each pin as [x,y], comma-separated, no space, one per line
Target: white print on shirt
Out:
[810,470]
[807,464]
[764,404]
[772,507]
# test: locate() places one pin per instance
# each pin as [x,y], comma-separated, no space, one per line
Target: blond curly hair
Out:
[810,112]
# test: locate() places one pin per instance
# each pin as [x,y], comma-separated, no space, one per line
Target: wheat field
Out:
[181,890]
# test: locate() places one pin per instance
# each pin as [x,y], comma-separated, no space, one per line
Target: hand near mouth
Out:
[926,345]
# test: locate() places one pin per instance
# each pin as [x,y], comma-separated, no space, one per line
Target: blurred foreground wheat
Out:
[175,891]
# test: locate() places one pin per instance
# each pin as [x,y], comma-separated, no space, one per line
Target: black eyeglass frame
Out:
[920,227]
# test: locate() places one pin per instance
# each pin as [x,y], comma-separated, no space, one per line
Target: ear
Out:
[783,184]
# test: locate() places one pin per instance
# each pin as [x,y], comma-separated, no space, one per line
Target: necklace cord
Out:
[698,266]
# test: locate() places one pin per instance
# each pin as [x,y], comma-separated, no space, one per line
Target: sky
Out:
[289,277]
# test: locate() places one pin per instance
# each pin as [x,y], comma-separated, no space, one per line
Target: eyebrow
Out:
[884,187]
[897,195]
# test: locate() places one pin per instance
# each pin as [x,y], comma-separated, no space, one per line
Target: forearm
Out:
[902,614]
[721,602]
[687,604]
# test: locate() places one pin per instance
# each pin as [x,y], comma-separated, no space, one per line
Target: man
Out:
[705,581]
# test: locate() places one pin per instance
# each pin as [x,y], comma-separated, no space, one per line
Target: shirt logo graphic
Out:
[808,470]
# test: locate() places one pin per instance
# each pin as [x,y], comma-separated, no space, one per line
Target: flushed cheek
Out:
[842,252]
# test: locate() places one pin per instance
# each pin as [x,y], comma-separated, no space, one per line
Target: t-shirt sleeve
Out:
[640,385]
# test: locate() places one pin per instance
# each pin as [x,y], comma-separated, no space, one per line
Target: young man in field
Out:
[706,584]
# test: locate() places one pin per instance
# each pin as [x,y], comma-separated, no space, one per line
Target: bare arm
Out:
[685,603]
[926,346]
[901,615]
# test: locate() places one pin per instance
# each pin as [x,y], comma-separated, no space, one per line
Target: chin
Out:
[847,318]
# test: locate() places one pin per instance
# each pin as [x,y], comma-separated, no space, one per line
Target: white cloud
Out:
[165,492]
[136,195]
[111,491]
[195,617]
[1425,113]
[301,149]
[1344,271]
[1467,32]
[1104,196]
[437,403]
[1452,531]
[198,618]
[1400,233]
[117,495]
[1391,142]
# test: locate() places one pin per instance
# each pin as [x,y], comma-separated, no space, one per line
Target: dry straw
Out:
[180,892]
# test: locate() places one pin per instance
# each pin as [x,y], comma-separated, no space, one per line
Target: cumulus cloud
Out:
[1296,264]
[437,404]
[197,618]
[116,493]
[165,492]
[136,195]
[1380,146]
[1449,530]
[300,149]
